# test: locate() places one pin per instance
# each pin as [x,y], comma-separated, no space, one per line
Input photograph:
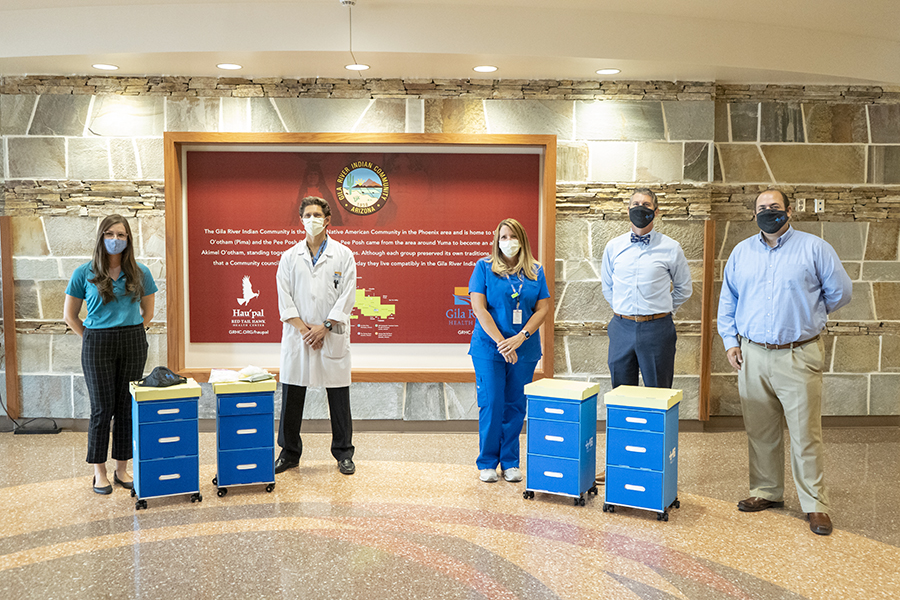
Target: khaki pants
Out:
[777,386]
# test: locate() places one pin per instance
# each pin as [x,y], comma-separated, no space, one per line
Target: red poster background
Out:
[245,207]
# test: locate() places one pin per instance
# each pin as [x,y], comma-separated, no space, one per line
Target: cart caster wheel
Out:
[196,498]
[140,504]
[133,494]
[581,502]
[270,487]
[612,508]
[593,490]
[199,497]
[221,492]
[215,481]
[662,516]
[677,503]
[605,507]
[528,494]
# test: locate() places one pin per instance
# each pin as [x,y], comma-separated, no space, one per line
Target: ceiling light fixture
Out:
[229,66]
[485,69]
[105,67]
[608,71]
[356,66]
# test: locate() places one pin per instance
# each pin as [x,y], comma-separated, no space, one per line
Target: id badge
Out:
[517,316]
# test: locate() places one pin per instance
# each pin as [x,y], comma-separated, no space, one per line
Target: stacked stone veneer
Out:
[73,149]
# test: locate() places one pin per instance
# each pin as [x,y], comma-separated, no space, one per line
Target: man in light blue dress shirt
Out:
[778,289]
[645,279]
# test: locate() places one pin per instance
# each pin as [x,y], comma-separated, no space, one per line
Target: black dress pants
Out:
[293,398]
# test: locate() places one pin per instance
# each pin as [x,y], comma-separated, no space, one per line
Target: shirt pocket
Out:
[798,278]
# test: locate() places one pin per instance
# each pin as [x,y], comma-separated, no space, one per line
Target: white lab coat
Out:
[310,293]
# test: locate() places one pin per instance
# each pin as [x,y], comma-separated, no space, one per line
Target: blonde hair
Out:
[525,263]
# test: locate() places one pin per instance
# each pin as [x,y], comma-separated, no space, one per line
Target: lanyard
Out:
[516,293]
[319,253]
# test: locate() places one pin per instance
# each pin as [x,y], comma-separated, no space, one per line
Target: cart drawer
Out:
[554,475]
[247,431]
[168,439]
[168,476]
[638,449]
[238,467]
[245,404]
[553,438]
[553,410]
[634,487]
[630,418]
[166,410]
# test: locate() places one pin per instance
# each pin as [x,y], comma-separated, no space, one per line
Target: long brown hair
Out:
[134,278]
[525,263]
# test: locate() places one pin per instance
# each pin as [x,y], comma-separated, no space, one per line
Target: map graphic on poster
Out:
[415,222]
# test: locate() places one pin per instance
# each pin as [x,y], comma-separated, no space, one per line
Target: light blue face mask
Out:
[115,246]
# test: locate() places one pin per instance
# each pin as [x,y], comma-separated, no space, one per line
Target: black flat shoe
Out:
[105,490]
[347,467]
[125,484]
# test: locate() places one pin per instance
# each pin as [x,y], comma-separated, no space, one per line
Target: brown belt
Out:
[642,318]
[783,346]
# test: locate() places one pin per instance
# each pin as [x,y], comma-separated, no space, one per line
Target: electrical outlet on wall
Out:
[801,204]
[820,205]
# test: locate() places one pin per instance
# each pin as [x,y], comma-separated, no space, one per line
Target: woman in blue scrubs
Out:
[510,300]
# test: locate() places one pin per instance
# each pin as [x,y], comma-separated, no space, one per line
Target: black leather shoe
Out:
[125,484]
[105,490]
[283,464]
[820,523]
[347,467]
[756,504]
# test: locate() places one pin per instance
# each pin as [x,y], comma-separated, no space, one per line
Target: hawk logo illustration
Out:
[461,296]
[249,294]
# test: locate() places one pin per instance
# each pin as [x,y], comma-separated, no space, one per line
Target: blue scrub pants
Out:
[501,410]
[648,346]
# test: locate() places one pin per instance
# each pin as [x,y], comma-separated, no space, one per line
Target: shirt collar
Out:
[781,240]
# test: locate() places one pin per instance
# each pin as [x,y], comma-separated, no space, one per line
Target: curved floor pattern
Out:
[400,529]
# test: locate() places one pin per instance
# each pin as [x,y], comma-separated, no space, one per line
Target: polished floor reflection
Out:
[415,522]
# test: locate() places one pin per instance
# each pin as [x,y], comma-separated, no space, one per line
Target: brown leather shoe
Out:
[756,504]
[820,523]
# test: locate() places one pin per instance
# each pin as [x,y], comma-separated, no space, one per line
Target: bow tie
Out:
[643,239]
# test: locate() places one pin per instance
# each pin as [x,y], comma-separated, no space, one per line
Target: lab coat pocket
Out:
[336,345]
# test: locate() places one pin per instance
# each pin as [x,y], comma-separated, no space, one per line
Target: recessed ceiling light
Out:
[104,67]
[485,69]
[229,66]
[356,67]
[608,71]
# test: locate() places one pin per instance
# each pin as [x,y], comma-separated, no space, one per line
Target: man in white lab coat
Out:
[316,291]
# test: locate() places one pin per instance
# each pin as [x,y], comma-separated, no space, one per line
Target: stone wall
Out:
[73,149]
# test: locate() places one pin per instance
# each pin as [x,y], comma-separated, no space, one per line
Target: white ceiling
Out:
[746,41]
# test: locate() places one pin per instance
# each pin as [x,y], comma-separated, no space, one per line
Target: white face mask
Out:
[314,225]
[509,247]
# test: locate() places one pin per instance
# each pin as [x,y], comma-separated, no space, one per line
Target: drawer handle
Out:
[169,477]
[246,467]
[246,431]
[245,405]
[636,449]
[635,488]
[169,440]
[553,474]
[555,411]
[168,411]
[554,438]
[636,420]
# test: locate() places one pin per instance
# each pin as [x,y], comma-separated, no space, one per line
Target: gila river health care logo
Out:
[362,188]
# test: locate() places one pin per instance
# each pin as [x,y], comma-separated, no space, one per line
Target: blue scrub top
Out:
[120,312]
[500,305]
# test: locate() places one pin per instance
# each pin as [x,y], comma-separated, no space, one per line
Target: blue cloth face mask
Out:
[115,245]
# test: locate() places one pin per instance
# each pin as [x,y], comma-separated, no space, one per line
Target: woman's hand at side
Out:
[71,308]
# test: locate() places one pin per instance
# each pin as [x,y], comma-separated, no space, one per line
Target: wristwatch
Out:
[328,325]
[525,332]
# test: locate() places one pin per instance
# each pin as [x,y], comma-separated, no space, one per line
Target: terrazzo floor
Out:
[415,522]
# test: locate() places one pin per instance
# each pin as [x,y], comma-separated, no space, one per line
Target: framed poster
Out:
[417,210]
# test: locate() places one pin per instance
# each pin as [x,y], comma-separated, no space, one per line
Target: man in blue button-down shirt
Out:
[645,279]
[778,289]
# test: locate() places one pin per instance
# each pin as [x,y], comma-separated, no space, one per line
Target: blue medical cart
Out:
[165,440]
[245,434]
[562,438]
[642,449]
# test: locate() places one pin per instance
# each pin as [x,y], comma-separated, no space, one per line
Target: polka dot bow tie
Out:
[642,239]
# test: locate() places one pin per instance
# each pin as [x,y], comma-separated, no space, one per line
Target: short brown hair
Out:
[315,200]
[645,192]
[787,202]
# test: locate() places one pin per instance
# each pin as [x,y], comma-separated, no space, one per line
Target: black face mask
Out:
[771,220]
[641,216]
